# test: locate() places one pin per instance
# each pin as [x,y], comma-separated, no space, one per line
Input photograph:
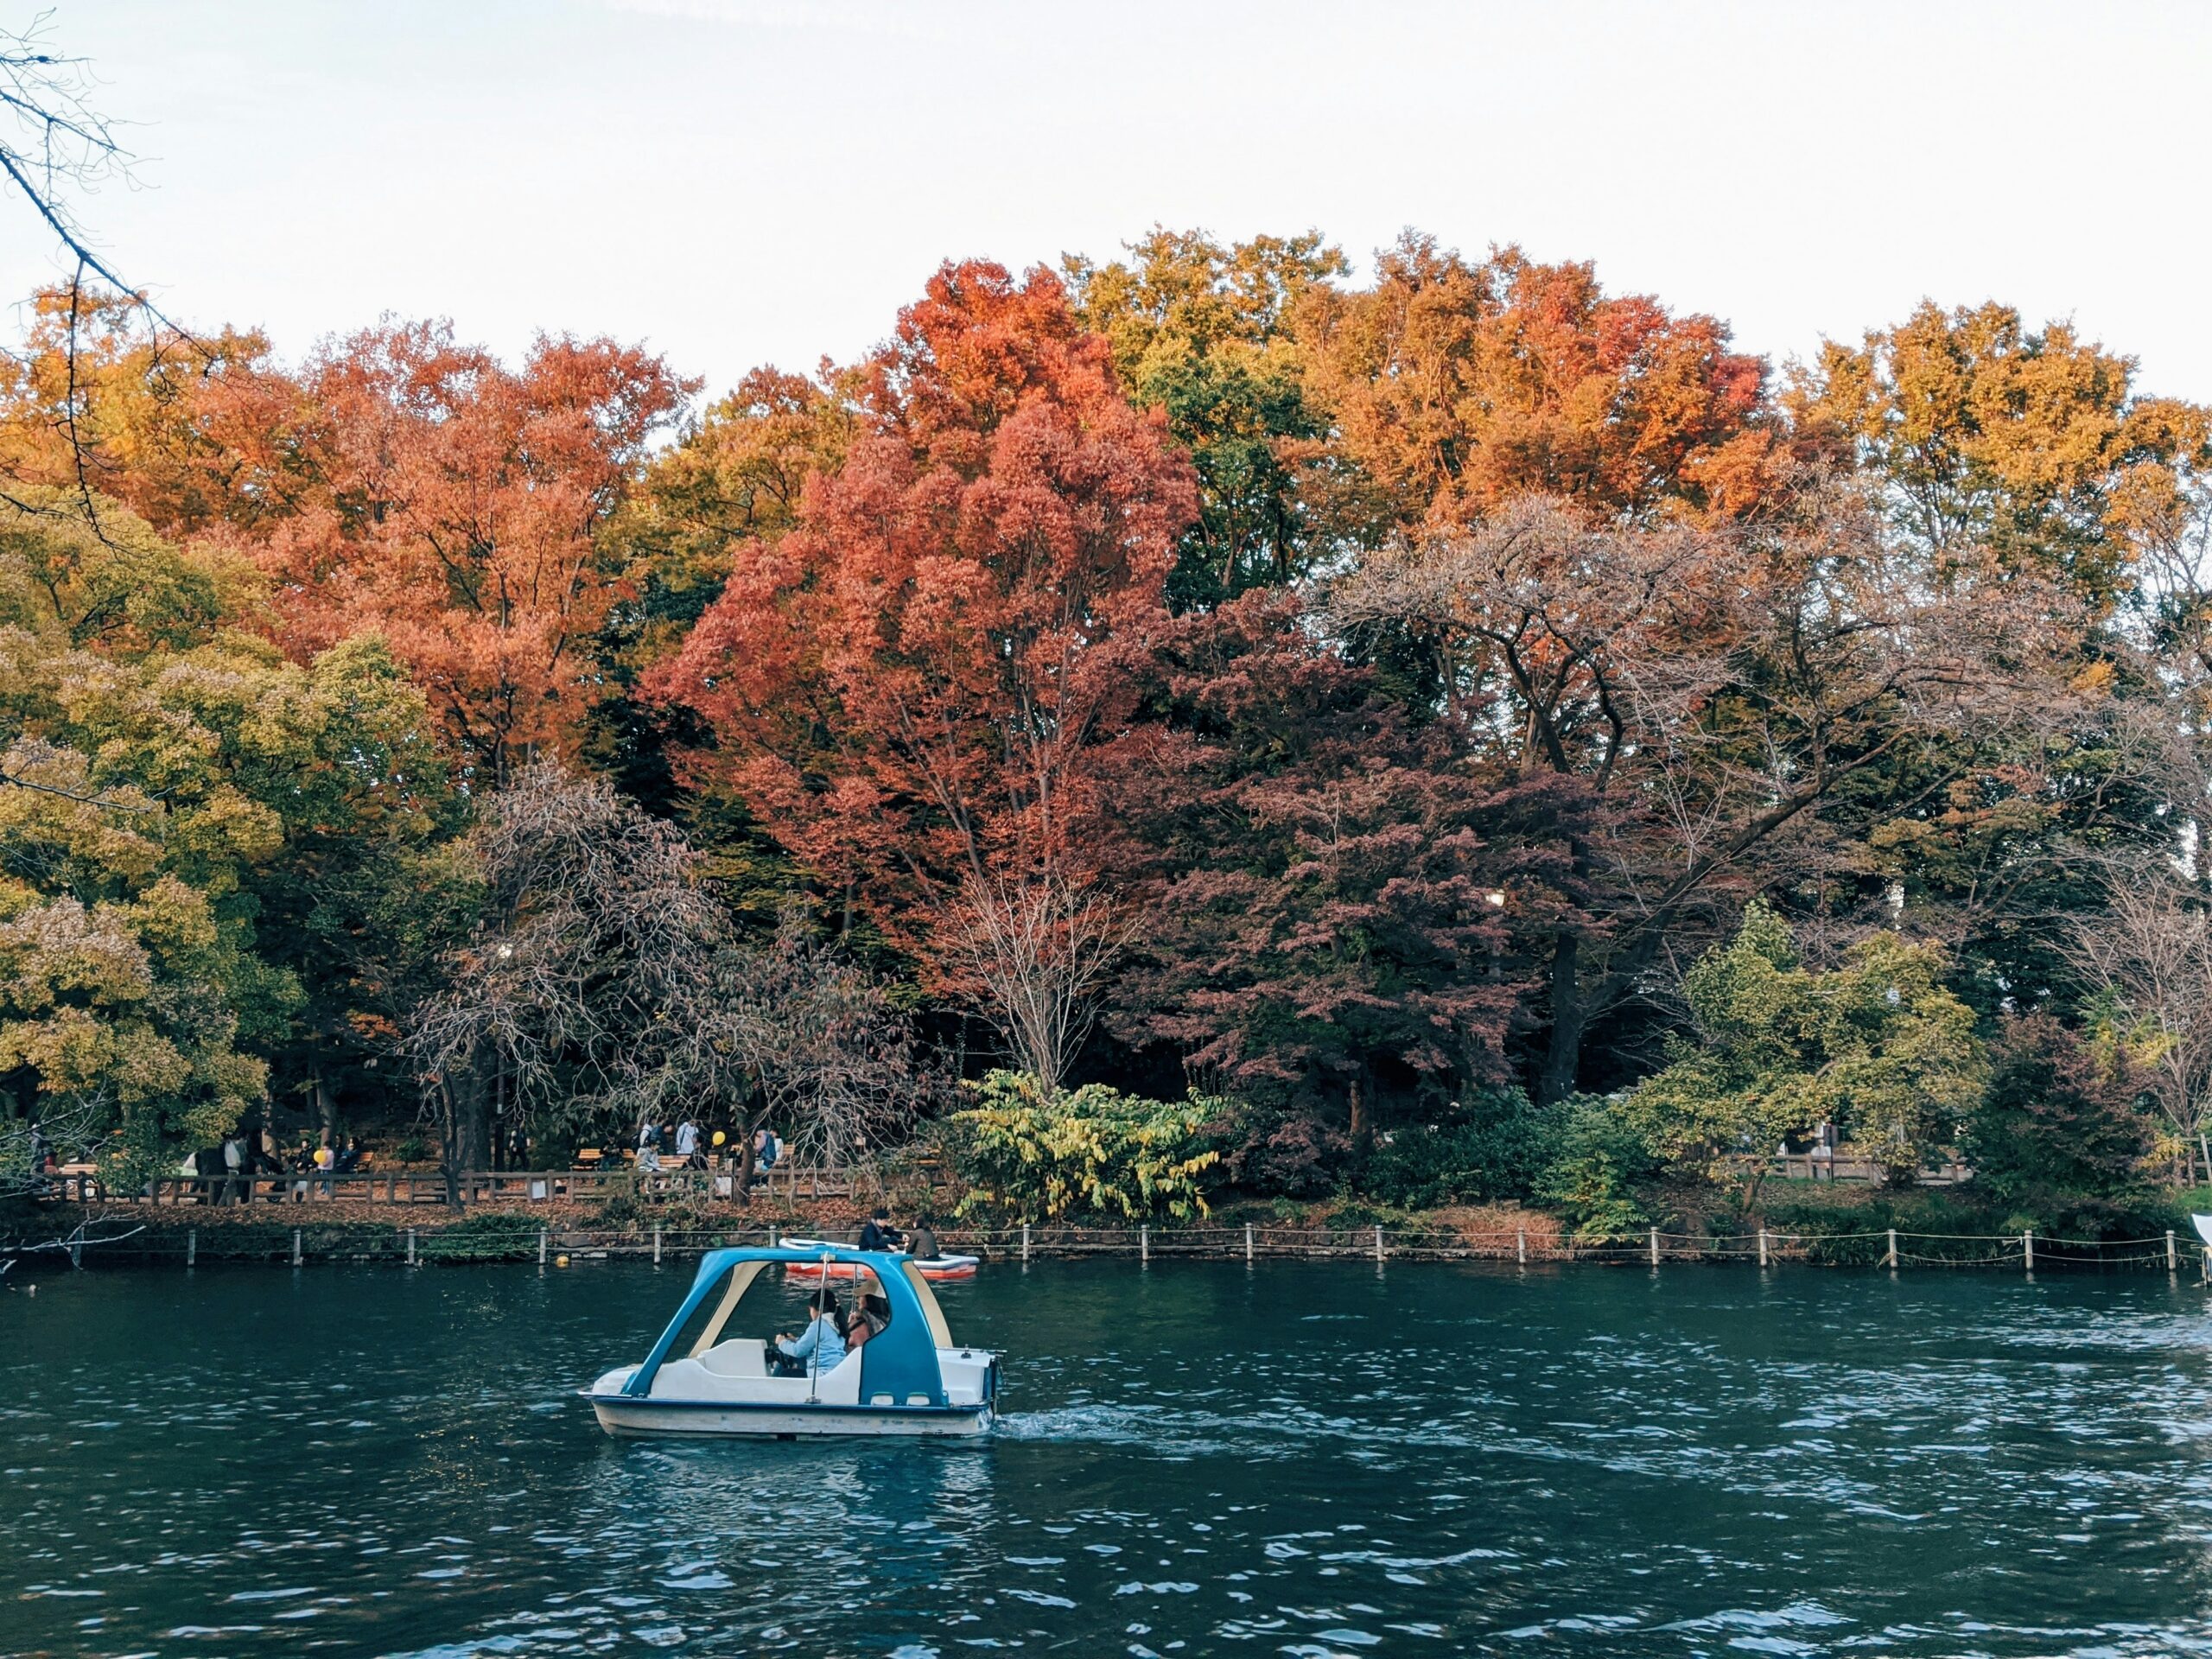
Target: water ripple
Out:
[1302,1460]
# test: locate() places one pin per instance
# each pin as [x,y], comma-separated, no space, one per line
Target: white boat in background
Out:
[2203,1225]
[909,1378]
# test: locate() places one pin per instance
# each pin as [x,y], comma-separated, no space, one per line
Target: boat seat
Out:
[738,1356]
[693,1379]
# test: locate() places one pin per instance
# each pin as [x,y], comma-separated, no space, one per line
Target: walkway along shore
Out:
[125,1236]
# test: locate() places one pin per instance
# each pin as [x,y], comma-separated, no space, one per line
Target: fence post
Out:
[295,1247]
[772,1235]
[1762,1246]
[2171,1263]
[1521,1246]
[411,1247]
[541,1247]
[1025,1243]
[1655,1247]
[1247,1240]
[1891,1260]
[656,1243]
[2028,1249]
[1144,1243]
[1378,1241]
[192,1246]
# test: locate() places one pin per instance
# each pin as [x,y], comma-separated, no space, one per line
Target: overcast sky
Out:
[737,181]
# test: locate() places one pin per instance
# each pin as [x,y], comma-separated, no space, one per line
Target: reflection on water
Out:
[1306,1459]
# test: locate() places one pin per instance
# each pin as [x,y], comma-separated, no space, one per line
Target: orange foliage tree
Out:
[1454,387]
[907,687]
[435,495]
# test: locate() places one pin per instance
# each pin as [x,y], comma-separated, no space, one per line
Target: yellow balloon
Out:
[718,1137]
[560,1260]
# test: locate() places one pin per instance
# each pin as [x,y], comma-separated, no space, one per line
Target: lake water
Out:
[1197,1457]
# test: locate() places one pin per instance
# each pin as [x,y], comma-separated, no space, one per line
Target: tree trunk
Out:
[467,1128]
[326,1108]
[742,1186]
[1361,1131]
[1570,1020]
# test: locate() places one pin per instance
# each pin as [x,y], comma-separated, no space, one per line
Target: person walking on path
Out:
[687,1145]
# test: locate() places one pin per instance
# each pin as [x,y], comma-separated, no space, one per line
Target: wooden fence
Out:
[406,1186]
[787,1181]
[1806,1166]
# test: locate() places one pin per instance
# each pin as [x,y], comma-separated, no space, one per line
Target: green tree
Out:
[1201,331]
[182,805]
[1600,1160]
[1877,1045]
[2060,1129]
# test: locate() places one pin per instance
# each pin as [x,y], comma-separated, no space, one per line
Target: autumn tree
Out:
[1339,911]
[1203,332]
[1453,386]
[1709,690]
[105,401]
[739,474]
[450,502]
[907,687]
[1987,435]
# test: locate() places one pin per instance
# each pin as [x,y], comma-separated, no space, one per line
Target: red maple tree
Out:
[907,687]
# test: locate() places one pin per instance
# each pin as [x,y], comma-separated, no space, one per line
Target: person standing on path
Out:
[687,1145]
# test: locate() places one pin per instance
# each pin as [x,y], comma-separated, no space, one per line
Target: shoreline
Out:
[112,1236]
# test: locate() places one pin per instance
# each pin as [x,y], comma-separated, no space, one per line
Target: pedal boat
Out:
[936,1268]
[908,1379]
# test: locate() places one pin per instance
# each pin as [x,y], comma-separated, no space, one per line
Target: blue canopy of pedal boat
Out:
[899,1361]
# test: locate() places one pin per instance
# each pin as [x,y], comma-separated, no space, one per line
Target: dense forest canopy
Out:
[1353,702]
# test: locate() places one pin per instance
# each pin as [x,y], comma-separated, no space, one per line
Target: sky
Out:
[740,182]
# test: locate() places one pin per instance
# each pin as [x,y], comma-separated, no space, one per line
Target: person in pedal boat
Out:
[820,1346]
[870,1314]
[876,1233]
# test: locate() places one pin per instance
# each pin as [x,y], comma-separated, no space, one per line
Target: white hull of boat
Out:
[621,1414]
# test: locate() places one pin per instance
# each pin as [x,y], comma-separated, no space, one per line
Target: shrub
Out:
[1495,1148]
[486,1235]
[1093,1152]
[1284,1155]
[2059,1126]
[1598,1161]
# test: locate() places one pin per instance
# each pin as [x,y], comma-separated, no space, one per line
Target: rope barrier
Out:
[1377,1243]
